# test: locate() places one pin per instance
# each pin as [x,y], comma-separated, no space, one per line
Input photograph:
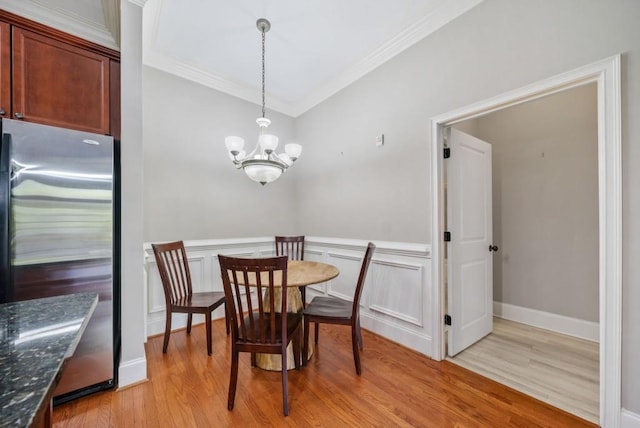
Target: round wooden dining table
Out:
[300,273]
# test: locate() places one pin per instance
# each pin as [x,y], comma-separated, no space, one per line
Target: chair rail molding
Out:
[395,302]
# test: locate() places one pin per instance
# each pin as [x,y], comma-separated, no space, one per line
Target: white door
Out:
[469,252]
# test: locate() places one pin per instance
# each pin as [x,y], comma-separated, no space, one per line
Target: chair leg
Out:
[207,320]
[356,353]
[167,332]
[305,343]
[285,392]
[317,331]
[233,379]
[189,320]
[359,331]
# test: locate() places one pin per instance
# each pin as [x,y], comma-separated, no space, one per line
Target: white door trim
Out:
[606,74]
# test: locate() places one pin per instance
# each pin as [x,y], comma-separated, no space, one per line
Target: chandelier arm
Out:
[256,150]
[274,156]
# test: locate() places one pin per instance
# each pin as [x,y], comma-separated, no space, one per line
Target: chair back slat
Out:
[292,246]
[175,275]
[361,278]
[255,322]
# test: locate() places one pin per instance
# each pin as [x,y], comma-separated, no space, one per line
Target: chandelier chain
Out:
[263,72]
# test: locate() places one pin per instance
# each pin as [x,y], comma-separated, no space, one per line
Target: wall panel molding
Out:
[395,301]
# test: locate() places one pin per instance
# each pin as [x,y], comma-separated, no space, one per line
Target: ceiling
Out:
[314,47]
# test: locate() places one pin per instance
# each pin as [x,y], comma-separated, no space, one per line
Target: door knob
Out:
[2,112]
[19,116]
[493,248]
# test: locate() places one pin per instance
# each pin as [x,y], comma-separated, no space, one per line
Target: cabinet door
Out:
[5,70]
[58,84]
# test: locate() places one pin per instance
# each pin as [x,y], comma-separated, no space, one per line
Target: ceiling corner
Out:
[63,20]
[111,10]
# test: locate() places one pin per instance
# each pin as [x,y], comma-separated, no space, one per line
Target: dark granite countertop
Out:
[36,336]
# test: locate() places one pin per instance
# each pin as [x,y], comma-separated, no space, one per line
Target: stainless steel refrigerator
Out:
[59,234]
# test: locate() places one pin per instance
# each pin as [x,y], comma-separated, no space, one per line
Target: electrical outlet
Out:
[380,140]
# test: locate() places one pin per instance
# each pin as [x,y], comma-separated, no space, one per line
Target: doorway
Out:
[606,75]
[545,235]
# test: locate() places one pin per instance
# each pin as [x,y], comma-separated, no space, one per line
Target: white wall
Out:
[133,366]
[191,188]
[545,202]
[498,46]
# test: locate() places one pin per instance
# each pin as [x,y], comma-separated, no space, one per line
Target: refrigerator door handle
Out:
[5,209]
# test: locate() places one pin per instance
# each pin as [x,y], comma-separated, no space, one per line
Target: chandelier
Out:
[262,164]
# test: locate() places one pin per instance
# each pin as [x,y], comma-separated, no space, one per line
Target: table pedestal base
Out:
[273,362]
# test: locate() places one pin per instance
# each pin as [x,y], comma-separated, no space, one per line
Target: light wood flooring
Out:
[398,388]
[557,369]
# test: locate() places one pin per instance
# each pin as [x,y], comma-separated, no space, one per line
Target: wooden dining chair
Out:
[179,297]
[292,246]
[261,324]
[332,310]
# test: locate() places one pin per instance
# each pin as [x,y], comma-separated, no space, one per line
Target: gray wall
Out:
[358,191]
[545,202]
[344,186]
[191,188]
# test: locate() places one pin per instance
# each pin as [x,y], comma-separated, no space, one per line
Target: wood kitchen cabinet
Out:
[53,78]
[5,69]
[58,84]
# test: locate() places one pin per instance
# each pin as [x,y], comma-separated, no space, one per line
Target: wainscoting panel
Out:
[344,286]
[396,300]
[315,256]
[396,291]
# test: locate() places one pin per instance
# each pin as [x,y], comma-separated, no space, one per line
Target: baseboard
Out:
[629,419]
[396,333]
[587,330]
[133,371]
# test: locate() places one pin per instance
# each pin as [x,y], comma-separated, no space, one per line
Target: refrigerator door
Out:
[60,233]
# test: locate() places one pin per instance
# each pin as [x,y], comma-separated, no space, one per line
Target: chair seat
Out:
[204,300]
[293,322]
[331,307]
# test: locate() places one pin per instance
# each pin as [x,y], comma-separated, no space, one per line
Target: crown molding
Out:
[151,57]
[63,20]
[249,93]
[411,35]
[111,11]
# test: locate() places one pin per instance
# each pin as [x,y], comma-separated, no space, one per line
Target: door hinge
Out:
[447,152]
[447,236]
[447,319]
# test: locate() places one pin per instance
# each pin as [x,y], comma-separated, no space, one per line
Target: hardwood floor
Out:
[557,369]
[398,388]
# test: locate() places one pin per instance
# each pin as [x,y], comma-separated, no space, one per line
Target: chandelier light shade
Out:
[262,164]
